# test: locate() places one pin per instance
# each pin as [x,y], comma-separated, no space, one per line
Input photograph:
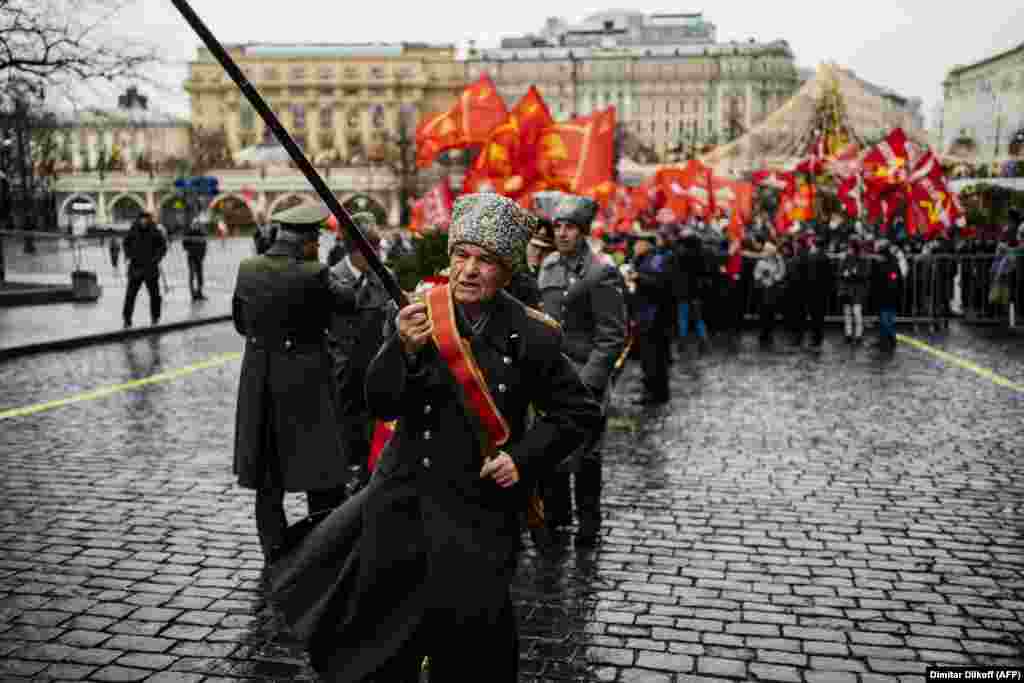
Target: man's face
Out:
[311,249]
[567,238]
[641,247]
[476,274]
[358,260]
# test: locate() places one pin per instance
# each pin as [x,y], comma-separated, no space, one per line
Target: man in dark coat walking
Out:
[585,294]
[440,527]
[145,247]
[194,243]
[287,436]
[652,276]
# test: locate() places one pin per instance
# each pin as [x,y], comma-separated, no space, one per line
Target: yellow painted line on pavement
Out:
[962,363]
[103,392]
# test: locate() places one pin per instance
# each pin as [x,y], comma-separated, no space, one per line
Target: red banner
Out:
[469,121]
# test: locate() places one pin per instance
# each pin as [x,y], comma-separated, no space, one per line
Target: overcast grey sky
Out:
[907,46]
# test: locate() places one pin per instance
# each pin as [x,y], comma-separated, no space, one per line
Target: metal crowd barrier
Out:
[937,287]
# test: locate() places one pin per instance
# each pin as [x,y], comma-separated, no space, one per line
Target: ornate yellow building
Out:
[339,102]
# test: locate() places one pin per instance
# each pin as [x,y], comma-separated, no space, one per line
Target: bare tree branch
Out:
[53,44]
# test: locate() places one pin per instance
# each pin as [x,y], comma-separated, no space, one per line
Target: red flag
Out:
[508,159]
[469,121]
[780,180]
[436,133]
[813,162]
[886,164]
[416,219]
[851,194]
[687,189]
[734,196]
[579,152]
[481,110]
[437,205]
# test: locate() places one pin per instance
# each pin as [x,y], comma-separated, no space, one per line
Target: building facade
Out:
[671,83]
[339,102]
[983,106]
[130,138]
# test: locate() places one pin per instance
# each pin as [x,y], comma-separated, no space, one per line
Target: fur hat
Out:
[562,207]
[493,222]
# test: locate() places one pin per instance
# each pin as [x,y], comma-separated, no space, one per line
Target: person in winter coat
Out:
[286,435]
[585,294]
[194,243]
[354,338]
[811,286]
[440,526]
[769,280]
[692,285]
[853,275]
[144,247]
[652,302]
[890,274]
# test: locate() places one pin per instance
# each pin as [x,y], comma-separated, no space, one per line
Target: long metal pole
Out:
[345,221]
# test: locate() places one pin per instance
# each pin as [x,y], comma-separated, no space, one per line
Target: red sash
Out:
[457,353]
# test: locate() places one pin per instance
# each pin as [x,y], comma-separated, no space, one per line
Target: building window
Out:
[270,74]
[299,116]
[377,72]
[246,117]
[326,117]
[297,73]
[326,73]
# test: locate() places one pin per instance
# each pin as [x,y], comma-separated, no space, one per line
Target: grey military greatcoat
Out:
[585,294]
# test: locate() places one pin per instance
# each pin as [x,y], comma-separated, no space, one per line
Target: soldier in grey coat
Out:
[286,435]
[585,294]
[355,337]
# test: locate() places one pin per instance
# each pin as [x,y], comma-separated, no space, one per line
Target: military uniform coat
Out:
[585,295]
[435,535]
[286,431]
[354,340]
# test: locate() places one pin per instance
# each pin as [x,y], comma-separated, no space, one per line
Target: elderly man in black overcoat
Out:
[287,436]
[585,294]
[440,525]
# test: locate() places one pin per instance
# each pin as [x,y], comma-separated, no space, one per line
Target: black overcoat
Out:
[434,535]
[286,430]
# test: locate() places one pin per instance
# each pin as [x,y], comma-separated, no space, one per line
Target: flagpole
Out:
[274,124]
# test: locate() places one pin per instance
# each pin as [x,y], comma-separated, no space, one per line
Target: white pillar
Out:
[101,208]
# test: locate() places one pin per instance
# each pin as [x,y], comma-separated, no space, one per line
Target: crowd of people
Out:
[496,385]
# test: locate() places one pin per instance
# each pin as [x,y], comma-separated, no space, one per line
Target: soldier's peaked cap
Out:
[564,207]
[307,217]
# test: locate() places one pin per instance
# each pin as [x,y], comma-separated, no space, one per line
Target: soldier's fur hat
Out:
[562,207]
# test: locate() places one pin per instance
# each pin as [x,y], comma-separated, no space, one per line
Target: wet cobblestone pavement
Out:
[790,516]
